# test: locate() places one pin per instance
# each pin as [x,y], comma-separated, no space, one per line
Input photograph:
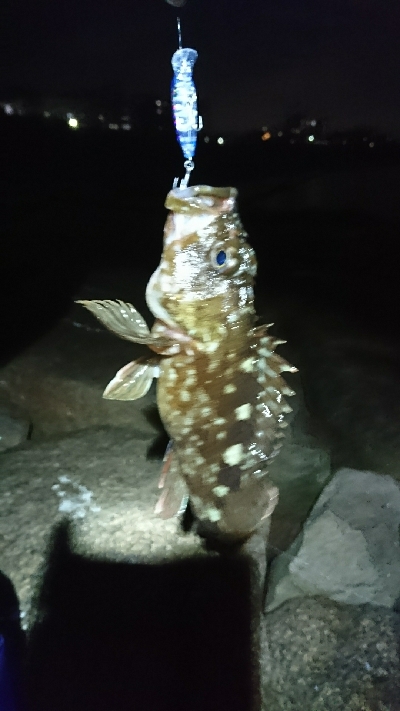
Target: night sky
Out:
[258,60]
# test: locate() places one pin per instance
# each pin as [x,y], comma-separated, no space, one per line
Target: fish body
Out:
[220,392]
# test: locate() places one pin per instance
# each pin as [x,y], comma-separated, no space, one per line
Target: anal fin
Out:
[175,495]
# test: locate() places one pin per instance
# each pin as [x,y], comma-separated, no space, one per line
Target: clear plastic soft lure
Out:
[184,105]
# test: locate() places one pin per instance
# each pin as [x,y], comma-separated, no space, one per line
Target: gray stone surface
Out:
[326,656]
[300,472]
[349,549]
[13,430]
[297,461]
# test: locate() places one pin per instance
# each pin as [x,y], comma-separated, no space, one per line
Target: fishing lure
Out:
[184,104]
[220,392]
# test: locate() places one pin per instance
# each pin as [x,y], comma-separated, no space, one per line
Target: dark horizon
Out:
[258,62]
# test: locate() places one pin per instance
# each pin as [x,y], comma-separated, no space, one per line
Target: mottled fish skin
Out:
[221,401]
[220,392]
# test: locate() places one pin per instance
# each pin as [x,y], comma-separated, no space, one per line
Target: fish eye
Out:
[220,258]
[224,259]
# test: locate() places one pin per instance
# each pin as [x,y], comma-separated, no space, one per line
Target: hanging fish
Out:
[220,390]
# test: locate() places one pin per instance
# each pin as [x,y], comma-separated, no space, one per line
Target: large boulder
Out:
[349,548]
[300,472]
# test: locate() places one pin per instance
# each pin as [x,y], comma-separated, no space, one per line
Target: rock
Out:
[13,430]
[300,472]
[349,549]
[325,656]
[297,463]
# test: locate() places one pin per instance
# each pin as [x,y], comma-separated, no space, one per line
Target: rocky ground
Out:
[78,484]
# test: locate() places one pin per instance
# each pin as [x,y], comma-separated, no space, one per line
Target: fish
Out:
[220,390]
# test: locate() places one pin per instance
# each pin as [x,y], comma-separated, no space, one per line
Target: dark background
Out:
[259,61]
[323,218]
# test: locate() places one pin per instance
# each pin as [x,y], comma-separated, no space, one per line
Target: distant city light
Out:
[266,136]
[313,122]
[46,114]
[73,122]
[113,126]
[100,117]
[206,139]
[125,118]
[264,129]
[126,126]
[159,111]
[220,140]
[8,109]
[158,102]
[371,145]
[280,133]
[311,138]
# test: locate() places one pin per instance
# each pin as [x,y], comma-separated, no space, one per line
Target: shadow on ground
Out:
[118,635]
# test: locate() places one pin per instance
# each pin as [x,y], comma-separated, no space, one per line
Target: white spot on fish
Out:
[247,365]
[242,296]
[243,412]
[184,395]
[220,435]
[219,421]
[230,388]
[233,455]
[206,411]
[211,347]
[213,514]
[221,490]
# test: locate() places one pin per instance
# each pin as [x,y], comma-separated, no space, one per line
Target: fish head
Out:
[203,285]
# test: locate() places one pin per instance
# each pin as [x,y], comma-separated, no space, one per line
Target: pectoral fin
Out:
[122,319]
[133,380]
